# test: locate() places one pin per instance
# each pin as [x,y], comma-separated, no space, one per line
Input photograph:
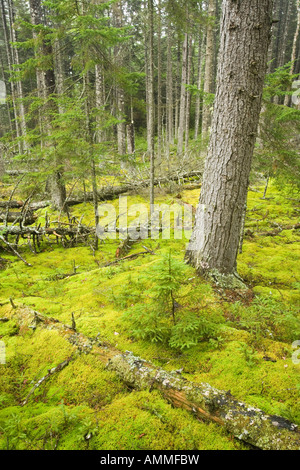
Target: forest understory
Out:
[67,310]
[121,330]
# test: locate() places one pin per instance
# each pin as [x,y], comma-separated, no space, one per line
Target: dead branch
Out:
[52,371]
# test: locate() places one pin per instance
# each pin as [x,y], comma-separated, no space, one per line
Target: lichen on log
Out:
[246,423]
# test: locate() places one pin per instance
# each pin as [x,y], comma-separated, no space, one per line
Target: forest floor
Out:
[246,349]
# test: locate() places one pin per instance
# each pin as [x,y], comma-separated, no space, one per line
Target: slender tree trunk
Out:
[177,88]
[120,96]
[287,99]
[46,87]
[19,88]
[182,109]
[245,34]
[90,142]
[283,41]
[150,99]
[209,66]
[159,85]
[100,101]
[199,82]
[10,64]
[59,72]
[6,101]
[188,94]
[169,90]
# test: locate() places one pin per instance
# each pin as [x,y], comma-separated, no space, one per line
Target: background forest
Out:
[101,99]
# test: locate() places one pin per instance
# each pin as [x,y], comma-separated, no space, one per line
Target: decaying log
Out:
[246,423]
[69,230]
[107,192]
[16,217]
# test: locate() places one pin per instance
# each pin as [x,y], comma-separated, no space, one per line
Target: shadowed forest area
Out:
[149,225]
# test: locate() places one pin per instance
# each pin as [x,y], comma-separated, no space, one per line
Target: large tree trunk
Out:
[245,34]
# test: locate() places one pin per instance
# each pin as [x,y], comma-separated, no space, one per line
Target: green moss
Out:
[86,399]
[144,421]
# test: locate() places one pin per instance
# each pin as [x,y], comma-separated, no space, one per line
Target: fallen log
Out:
[70,230]
[107,192]
[247,423]
[16,217]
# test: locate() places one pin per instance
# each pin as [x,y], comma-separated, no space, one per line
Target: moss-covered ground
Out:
[84,406]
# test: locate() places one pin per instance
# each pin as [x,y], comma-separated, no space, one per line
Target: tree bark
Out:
[19,88]
[245,34]
[10,64]
[188,93]
[169,90]
[199,82]
[209,65]
[287,99]
[120,96]
[150,99]
[246,423]
[159,85]
[182,107]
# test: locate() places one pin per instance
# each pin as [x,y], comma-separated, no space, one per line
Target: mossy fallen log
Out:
[246,423]
[107,193]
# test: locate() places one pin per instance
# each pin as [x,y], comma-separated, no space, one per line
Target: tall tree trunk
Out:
[150,98]
[159,85]
[199,82]
[46,87]
[188,93]
[59,72]
[182,108]
[19,88]
[209,65]
[177,89]
[3,78]
[245,34]
[169,90]
[100,101]
[283,40]
[287,99]
[10,69]
[120,96]
[90,142]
